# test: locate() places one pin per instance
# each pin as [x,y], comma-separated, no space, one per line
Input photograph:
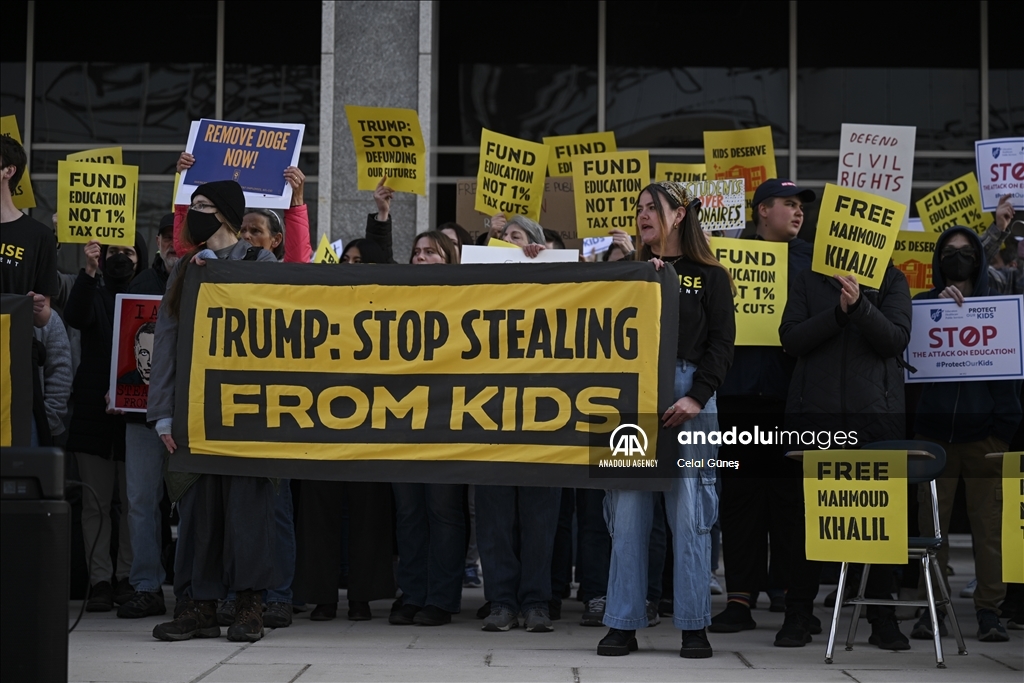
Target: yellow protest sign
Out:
[389,144]
[955,203]
[760,271]
[747,154]
[22,196]
[324,252]
[511,175]
[96,202]
[564,147]
[492,242]
[1013,517]
[855,505]
[100,155]
[856,234]
[177,182]
[6,429]
[607,186]
[913,255]
[680,173]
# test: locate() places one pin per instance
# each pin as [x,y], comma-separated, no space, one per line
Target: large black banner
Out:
[15,370]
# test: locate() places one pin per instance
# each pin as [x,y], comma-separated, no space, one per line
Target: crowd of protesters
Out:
[251,552]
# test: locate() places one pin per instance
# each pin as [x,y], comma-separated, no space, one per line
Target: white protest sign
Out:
[592,246]
[1000,171]
[475,254]
[980,340]
[914,225]
[722,203]
[879,160]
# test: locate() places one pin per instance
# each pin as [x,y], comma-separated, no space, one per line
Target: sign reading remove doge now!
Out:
[980,340]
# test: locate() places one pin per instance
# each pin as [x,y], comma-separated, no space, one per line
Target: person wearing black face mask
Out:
[968,419]
[95,437]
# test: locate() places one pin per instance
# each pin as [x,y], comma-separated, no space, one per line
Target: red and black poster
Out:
[132,359]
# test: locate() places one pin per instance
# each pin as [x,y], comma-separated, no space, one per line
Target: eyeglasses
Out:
[202,206]
[969,252]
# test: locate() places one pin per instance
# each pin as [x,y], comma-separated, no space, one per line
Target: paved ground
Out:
[104,648]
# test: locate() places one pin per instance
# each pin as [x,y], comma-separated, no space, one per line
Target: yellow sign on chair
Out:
[1013,517]
[855,506]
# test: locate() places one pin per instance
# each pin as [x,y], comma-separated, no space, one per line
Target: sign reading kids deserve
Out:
[511,175]
[856,506]
[389,144]
[22,196]
[1013,517]
[747,154]
[856,234]
[96,202]
[607,186]
[680,173]
[564,147]
[1000,165]
[254,155]
[878,159]
[955,203]
[760,271]
[913,255]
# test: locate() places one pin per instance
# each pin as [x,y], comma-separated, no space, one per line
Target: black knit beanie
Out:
[228,197]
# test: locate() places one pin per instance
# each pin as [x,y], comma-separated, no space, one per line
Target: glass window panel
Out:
[667,92]
[12,73]
[149,163]
[1006,69]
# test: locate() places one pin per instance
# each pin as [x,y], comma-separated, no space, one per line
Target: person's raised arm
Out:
[181,247]
[297,248]
[79,311]
[378,226]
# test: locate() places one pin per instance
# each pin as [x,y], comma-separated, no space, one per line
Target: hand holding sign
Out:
[1004,212]
[92,258]
[185,162]
[382,196]
[850,292]
[297,179]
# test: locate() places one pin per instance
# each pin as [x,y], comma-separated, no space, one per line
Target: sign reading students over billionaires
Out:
[511,175]
[470,374]
[856,234]
[389,144]
[856,506]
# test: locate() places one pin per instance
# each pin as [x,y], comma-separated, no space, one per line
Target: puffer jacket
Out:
[848,374]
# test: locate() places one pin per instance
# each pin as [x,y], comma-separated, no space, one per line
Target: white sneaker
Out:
[716,588]
[968,590]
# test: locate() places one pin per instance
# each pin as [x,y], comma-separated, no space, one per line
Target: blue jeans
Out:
[516,539]
[595,545]
[144,476]
[692,507]
[431,530]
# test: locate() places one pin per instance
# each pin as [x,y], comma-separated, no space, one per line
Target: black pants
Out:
[318,534]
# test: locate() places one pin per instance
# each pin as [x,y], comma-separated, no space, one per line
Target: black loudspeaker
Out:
[35,537]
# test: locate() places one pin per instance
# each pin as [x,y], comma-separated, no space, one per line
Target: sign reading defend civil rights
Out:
[511,176]
[879,160]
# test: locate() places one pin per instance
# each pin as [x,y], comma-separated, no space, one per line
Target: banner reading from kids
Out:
[254,155]
[389,144]
[469,374]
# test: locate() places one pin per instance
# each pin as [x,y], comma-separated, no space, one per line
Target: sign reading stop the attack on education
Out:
[760,271]
[96,202]
[955,203]
[856,506]
[101,155]
[1000,165]
[747,154]
[389,144]
[254,155]
[879,160]
[325,252]
[476,374]
[680,173]
[981,340]
[22,195]
[856,234]
[511,175]
[721,203]
[564,147]
[913,255]
[1013,517]
[607,186]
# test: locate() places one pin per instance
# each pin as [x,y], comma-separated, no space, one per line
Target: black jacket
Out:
[848,373]
[153,280]
[961,412]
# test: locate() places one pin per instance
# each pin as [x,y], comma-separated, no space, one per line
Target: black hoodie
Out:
[962,412]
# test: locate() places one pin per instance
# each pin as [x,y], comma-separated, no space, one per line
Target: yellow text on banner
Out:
[22,195]
[607,186]
[721,203]
[6,428]
[564,147]
[747,154]
[680,173]
[1013,517]
[324,252]
[760,271]
[96,202]
[856,234]
[511,175]
[955,203]
[101,155]
[389,144]
[913,255]
[855,505]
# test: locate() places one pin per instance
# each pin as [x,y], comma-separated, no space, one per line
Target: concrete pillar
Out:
[374,54]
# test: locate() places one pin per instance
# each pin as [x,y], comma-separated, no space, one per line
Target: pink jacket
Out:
[297,248]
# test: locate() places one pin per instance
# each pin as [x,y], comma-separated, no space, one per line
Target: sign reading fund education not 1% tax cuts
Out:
[96,202]
[607,186]
[511,175]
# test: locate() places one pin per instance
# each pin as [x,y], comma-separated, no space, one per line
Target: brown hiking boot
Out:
[248,624]
[197,620]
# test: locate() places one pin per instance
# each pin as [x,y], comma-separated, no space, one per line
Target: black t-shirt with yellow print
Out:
[28,258]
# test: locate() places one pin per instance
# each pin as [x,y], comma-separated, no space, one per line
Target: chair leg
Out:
[953,623]
[857,607]
[835,614]
[927,570]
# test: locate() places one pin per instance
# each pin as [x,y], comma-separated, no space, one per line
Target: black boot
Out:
[197,620]
[617,643]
